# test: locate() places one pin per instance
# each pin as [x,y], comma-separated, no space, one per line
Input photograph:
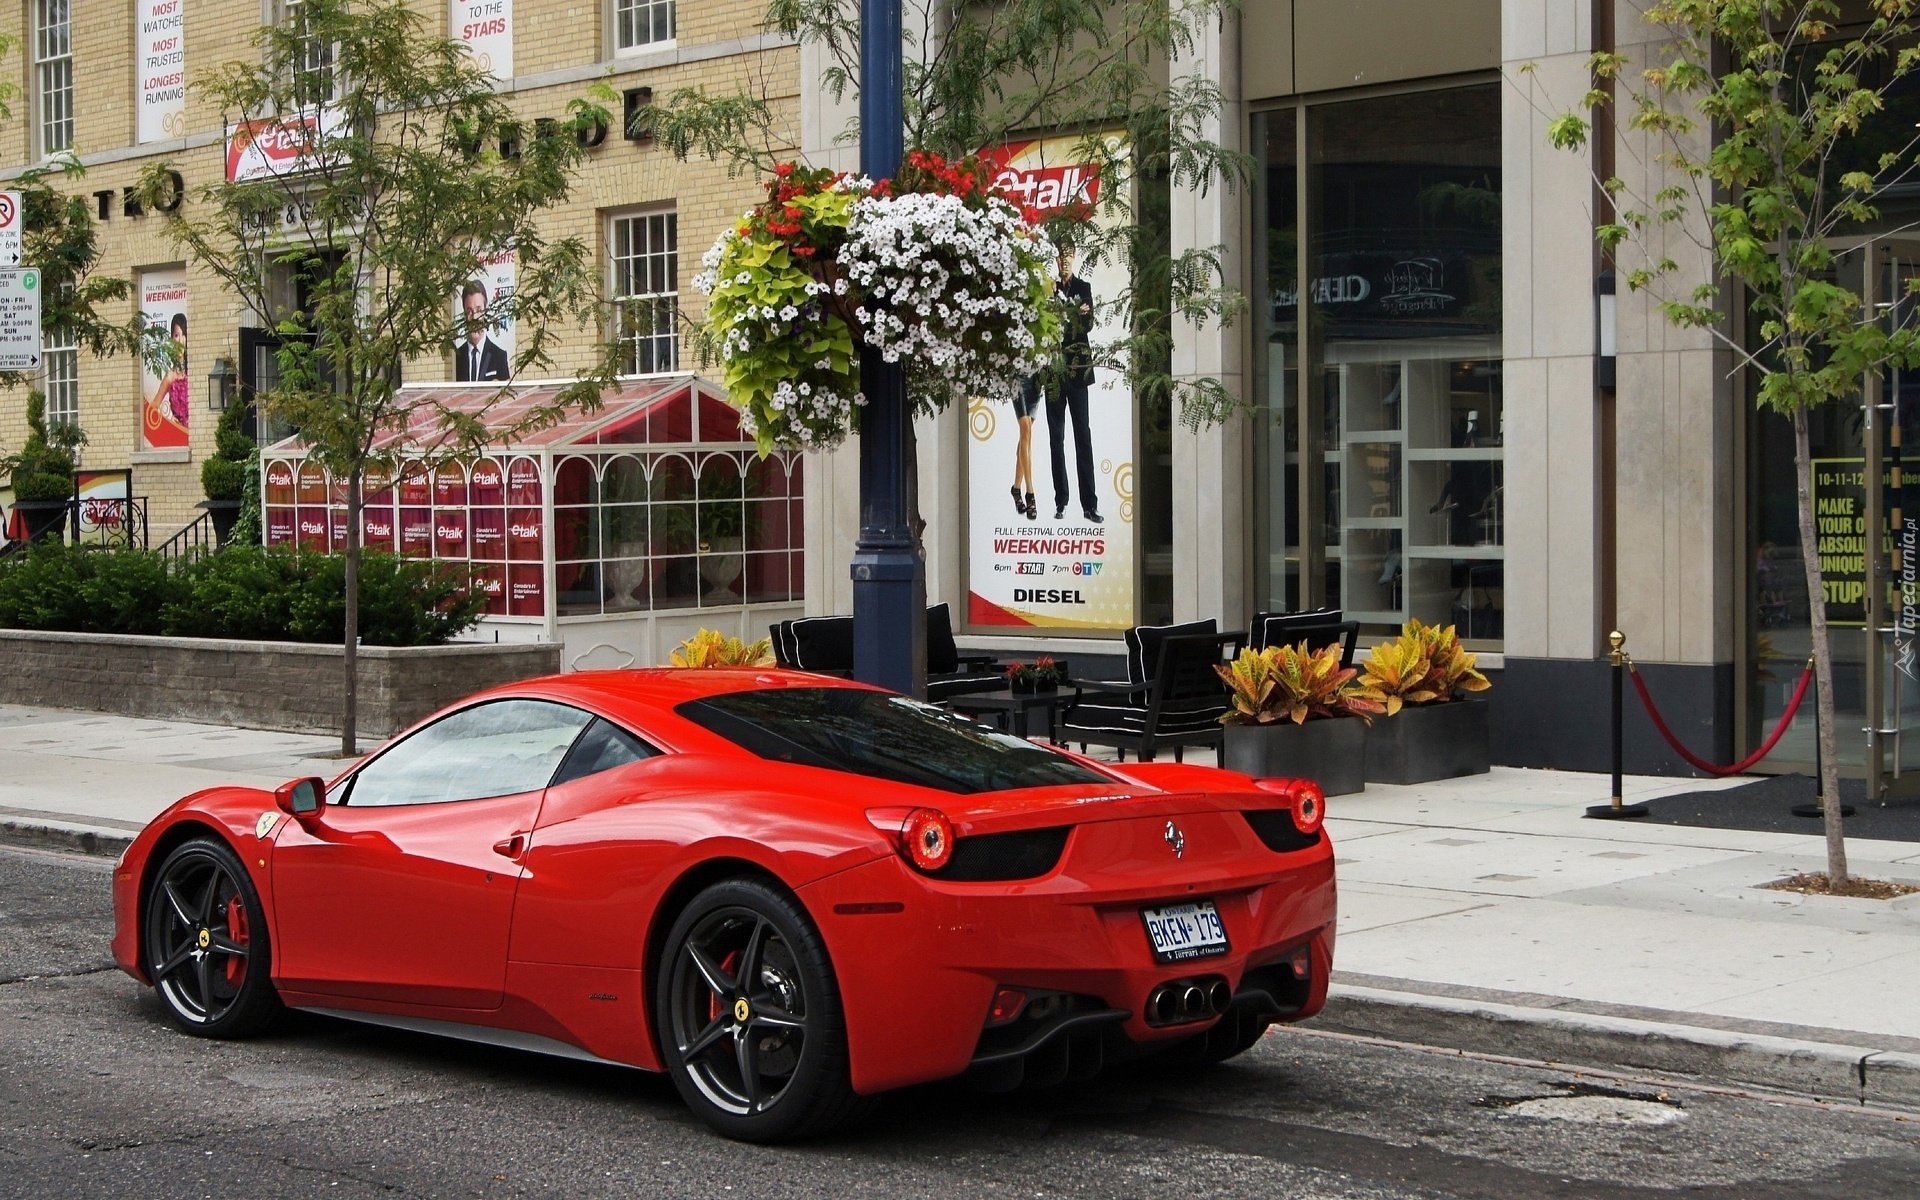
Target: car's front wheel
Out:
[749,1016]
[206,943]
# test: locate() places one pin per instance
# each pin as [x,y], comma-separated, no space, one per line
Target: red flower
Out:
[783,170]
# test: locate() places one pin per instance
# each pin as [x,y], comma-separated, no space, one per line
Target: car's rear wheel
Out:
[206,943]
[749,1016]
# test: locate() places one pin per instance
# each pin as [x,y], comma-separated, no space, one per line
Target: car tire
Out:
[205,943]
[759,1054]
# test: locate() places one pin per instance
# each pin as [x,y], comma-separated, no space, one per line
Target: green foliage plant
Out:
[1768,130]
[401,196]
[43,469]
[243,592]
[224,475]
[1293,683]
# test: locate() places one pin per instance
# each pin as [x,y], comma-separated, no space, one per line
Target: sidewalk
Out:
[1482,914]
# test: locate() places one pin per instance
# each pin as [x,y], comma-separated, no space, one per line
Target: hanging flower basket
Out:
[933,268]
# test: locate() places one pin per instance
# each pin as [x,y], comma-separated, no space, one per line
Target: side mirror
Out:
[302,797]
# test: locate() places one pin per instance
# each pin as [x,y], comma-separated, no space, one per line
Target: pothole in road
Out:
[1585,1104]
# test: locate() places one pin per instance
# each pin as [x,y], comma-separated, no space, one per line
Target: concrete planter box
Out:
[293,686]
[1331,751]
[1434,741]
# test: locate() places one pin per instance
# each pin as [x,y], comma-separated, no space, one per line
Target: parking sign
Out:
[19,318]
[9,229]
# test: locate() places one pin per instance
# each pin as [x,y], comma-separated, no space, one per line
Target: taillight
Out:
[1309,806]
[1007,1005]
[929,837]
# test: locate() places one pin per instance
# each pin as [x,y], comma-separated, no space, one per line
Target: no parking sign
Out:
[9,229]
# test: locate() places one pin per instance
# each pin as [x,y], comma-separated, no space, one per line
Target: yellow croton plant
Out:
[1292,683]
[711,648]
[1425,665]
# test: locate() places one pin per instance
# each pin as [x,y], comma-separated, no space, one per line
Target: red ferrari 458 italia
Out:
[790,892]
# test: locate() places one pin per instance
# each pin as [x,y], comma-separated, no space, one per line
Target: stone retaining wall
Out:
[290,686]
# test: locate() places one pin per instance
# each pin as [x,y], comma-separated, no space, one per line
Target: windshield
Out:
[884,736]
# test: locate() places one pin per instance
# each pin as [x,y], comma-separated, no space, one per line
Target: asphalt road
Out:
[99,1096]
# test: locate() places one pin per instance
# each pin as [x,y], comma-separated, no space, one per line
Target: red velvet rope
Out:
[1786,718]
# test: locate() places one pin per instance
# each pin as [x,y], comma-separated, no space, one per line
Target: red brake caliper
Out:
[237,931]
[716,1004]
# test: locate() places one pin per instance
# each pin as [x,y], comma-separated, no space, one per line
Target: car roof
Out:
[646,697]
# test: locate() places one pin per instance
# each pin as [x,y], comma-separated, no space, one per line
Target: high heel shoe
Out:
[1033,510]
[1018,508]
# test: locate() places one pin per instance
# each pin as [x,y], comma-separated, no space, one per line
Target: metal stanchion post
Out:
[1617,808]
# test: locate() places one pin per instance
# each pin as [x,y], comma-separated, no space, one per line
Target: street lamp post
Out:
[889,578]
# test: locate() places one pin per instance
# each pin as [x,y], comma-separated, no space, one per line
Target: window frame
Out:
[61,347]
[613,11]
[346,787]
[44,64]
[667,332]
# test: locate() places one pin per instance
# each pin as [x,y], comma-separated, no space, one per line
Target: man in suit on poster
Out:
[1068,396]
[479,357]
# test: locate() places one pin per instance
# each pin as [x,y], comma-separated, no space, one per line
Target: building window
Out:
[644,249]
[53,63]
[313,62]
[638,24]
[1381,460]
[60,366]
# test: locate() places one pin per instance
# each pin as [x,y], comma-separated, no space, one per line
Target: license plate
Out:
[1183,931]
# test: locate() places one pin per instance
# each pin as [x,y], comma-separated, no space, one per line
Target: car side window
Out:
[497,749]
[602,747]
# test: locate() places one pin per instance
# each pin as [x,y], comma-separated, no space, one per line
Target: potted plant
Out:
[1431,730]
[1043,674]
[1297,713]
[711,648]
[224,476]
[42,472]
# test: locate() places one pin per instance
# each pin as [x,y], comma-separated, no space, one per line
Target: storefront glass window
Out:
[1399,512]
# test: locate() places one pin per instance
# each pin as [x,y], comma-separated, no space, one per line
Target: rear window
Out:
[884,736]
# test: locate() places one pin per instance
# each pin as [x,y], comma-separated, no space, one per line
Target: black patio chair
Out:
[824,646]
[1319,628]
[1179,705]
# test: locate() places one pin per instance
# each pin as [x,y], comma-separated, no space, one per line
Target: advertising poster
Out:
[485,352]
[1076,570]
[166,393]
[271,147]
[160,59]
[486,28]
[103,503]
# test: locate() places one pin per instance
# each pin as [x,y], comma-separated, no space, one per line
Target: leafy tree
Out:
[1762,115]
[977,76]
[413,175]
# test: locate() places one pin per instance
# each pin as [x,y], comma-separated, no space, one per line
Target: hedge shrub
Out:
[241,592]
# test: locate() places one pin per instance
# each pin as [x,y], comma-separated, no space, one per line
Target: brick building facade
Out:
[79,88]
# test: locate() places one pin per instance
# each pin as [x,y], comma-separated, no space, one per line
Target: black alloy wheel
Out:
[749,1016]
[206,943]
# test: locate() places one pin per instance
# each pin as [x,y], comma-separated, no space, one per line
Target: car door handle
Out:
[512,847]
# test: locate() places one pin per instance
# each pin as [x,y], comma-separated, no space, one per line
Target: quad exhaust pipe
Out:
[1184,1000]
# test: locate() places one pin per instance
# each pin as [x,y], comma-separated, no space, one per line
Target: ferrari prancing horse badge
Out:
[265,824]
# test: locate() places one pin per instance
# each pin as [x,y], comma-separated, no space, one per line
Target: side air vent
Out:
[1001,857]
[1276,828]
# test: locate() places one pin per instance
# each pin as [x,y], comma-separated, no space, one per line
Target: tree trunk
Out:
[350,707]
[1829,782]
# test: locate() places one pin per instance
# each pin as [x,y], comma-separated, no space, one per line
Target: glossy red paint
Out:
[542,913]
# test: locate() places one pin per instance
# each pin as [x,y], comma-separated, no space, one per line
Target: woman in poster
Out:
[165,418]
[1024,406]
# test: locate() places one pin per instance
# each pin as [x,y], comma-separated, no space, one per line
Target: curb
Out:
[1829,1070]
[60,835]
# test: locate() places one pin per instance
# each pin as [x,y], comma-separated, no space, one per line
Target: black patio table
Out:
[1012,709]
